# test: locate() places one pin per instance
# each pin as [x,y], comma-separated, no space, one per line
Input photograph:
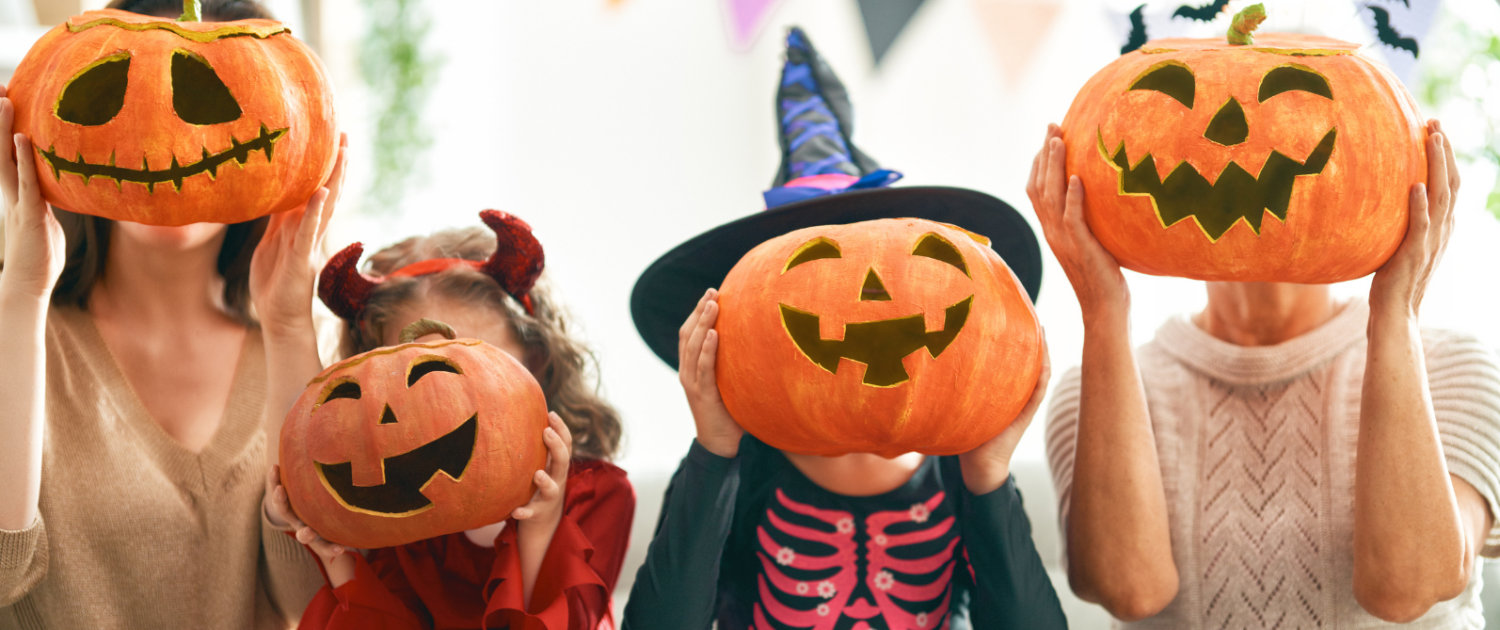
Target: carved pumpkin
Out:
[886,336]
[418,440]
[164,122]
[1286,160]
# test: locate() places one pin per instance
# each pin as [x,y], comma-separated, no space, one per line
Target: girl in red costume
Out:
[552,565]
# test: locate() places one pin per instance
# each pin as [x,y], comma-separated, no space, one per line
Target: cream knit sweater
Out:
[1257,450]
[136,531]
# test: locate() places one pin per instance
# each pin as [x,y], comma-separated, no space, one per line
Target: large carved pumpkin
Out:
[886,336]
[409,442]
[165,122]
[1287,160]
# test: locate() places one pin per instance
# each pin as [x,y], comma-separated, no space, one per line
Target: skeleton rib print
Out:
[819,570]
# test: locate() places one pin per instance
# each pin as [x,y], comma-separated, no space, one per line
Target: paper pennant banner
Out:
[884,21]
[747,18]
[1015,29]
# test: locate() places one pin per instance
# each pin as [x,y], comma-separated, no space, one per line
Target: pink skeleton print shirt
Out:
[831,569]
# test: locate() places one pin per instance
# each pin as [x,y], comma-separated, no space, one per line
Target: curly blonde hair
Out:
[566,369]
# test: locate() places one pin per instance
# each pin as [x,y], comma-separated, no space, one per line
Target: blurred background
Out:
[620,128]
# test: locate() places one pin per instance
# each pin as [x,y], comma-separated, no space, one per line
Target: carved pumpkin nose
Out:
[873,289]
[1229,126]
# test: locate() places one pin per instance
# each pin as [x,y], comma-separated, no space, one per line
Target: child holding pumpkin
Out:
[555,563]
[753,536]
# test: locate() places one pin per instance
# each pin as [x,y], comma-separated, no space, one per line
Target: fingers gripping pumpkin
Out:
[164,122]
[886,336]
[1289,159]
[414,441]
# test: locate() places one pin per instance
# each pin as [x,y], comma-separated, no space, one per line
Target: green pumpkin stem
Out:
[191,11]
[1242,29]
[423,327]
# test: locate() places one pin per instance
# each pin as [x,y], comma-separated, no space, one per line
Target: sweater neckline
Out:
[237,426]
[1256,365]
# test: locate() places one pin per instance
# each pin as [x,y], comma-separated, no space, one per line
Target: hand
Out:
[35,248]
[987,467]
[546,506]
[697,350]
[1058,202]
[1400,283]
[336,558]
[283,270]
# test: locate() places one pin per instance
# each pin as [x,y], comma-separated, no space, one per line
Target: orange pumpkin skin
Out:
[276,81]
[494,390]
[949,404]
[1341,223]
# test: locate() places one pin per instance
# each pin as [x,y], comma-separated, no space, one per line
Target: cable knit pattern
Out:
[1257,449]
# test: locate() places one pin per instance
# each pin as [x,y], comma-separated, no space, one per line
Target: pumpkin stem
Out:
[424,327]
[191,11]
[1242,29]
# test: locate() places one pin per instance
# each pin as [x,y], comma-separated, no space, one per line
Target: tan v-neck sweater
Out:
[1257,448]
[136,531]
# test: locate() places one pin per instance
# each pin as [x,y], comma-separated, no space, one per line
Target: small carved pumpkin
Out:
[418,440]
[886,336]
[1286,160]
[164,122]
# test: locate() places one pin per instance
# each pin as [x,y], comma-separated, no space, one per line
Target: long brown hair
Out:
[88,236]
[566,369]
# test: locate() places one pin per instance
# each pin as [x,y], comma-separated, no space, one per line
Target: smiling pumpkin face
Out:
[1289,160]
[886,336]
[414,441]
[149,120]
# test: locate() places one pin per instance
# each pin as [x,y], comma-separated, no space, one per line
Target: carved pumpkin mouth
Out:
[406,475]
[879,345]
[238,152]
[1235,195]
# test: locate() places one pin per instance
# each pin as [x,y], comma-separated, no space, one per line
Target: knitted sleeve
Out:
[291,574]
[1062,438]
[1464,379]
[23,561]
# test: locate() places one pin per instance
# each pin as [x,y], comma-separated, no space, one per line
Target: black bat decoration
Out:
[1205,13]
[1405,2]
[1137,30]
[1388,35]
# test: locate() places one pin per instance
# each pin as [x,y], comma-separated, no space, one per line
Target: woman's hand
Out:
[1058,202]
[1400,283]
[538,520]
[336,558]
[284,268]
[34,245]
[697,350]
[987,467]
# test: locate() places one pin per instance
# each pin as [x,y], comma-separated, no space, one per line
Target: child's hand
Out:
[34,247]
[546,506]
[697,350]
[283,269]
[987,467]
[336,558]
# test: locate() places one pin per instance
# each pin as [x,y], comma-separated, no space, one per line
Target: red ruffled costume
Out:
[450,583]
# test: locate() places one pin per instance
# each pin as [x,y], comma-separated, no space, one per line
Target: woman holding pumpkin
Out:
[554,564]
[130,414]
[1280,459]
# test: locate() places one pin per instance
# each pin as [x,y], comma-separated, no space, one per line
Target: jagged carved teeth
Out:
[238,153]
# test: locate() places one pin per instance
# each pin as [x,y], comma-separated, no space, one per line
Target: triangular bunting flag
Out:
[747,18]
[884,21]
[1015,29]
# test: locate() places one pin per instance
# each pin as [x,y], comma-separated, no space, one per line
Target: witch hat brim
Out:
[668,291]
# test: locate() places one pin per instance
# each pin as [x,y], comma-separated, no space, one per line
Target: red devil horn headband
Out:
[515,266]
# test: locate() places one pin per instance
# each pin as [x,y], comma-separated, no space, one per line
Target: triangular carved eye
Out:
[198,95]
[938,248]
[97,94]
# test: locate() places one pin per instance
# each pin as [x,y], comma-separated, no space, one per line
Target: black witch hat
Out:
[824,180]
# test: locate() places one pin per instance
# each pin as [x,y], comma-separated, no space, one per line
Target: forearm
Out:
[532,542]
[291,361]
[1011,586]
[1119,544]
[23,369]
[1410,549]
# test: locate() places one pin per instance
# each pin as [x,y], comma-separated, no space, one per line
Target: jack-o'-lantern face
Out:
[886,336]
[1289,160]
[414,441]
[167,123]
